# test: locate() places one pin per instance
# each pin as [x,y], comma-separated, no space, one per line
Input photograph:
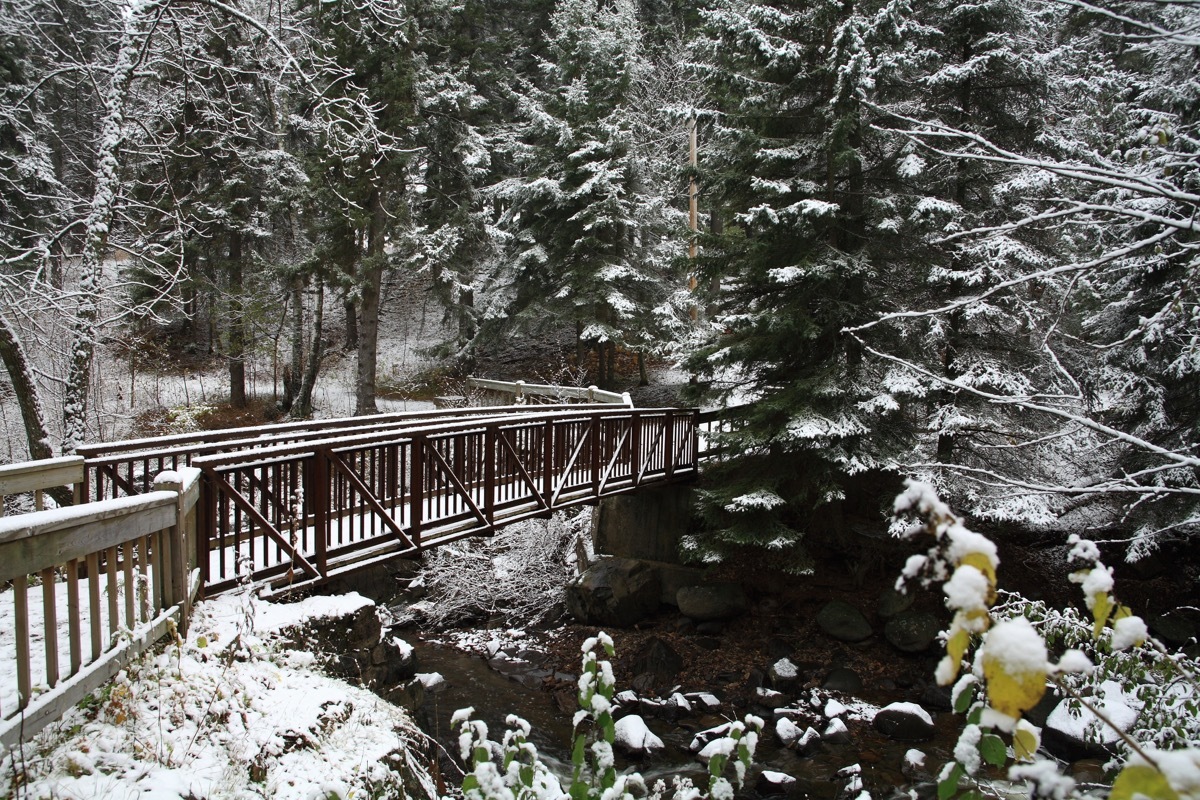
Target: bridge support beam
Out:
[647,524]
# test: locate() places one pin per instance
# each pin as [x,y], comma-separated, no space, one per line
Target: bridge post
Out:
[635,447]
[417,496]
[549,463]
[594,454]
[669,444]
[489,474]
[319,492]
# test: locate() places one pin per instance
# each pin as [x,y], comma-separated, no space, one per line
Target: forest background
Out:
[956,240]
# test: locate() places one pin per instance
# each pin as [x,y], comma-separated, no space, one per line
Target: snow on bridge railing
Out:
[523,392]
[37,478]
[113,578]
[115,469]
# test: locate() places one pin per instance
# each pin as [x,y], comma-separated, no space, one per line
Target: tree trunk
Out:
[20,373]
[302,406]
[371,275]
[95,248]
[643,375]
[295,365]
[237,324]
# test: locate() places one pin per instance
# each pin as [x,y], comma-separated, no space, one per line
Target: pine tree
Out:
[581,222]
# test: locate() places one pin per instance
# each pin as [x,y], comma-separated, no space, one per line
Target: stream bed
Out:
[821,772]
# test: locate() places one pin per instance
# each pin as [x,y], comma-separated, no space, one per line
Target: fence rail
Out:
[538,393]
[38,477]
[86,589]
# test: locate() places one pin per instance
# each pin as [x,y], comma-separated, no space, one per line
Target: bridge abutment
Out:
[647,524]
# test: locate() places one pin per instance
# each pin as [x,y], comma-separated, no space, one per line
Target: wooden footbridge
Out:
[158,521]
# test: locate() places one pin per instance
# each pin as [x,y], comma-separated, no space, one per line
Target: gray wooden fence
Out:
[84,589]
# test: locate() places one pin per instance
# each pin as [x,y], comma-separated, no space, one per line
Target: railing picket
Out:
[93,574]
[144,577]
[50,625]
[21,610]
[110,569]
[127,565]
[73,633]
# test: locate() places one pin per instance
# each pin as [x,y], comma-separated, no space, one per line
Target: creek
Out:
[470,681]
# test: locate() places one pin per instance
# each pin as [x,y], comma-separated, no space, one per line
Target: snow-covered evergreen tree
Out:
[582,225]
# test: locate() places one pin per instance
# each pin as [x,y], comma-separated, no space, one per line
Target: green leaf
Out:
[963,701]
[578,751]
[992,748]
[716,765]
[975,716]
[948,787]
[470,783]
[482,755]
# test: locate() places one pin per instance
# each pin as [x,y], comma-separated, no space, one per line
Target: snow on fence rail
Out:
[38,477]
[86,588]
[523,392]
[118,469]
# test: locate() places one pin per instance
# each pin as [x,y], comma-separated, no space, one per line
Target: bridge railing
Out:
[521,393]
[85,589]
[303,512]
[36,478]
[120,469]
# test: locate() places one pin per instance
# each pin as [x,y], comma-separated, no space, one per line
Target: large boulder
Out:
[912,631]
[843,622]
[904,722]
[614,591]
[715,602]
[659,660]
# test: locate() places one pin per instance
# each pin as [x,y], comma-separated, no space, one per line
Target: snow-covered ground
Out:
[230,712]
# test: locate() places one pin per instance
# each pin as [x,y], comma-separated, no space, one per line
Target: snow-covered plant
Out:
[512,770]
[520,574]
[1010,668]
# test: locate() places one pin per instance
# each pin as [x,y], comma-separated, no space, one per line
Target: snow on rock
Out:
[633,736]
[1082,725]
[906,722]
[705,700]
[836,731]
[432,681]
[189,721]
[702,738]
[834,709]
[787,731]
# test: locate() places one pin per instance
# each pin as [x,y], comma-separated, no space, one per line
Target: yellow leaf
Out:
[1025,741]
[1102,607]
[1122,612]
[984,564]
[1012,694]
[1144,781]
[956,645]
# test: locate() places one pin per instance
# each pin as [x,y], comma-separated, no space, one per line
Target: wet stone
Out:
[892,602]
[722,601]
[912,631]
[843,622]
[844,680]
[904,722]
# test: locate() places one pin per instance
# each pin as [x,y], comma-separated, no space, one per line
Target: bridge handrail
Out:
[130,555]
[396,435]
[521,390]
[40,476]
[169,452]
